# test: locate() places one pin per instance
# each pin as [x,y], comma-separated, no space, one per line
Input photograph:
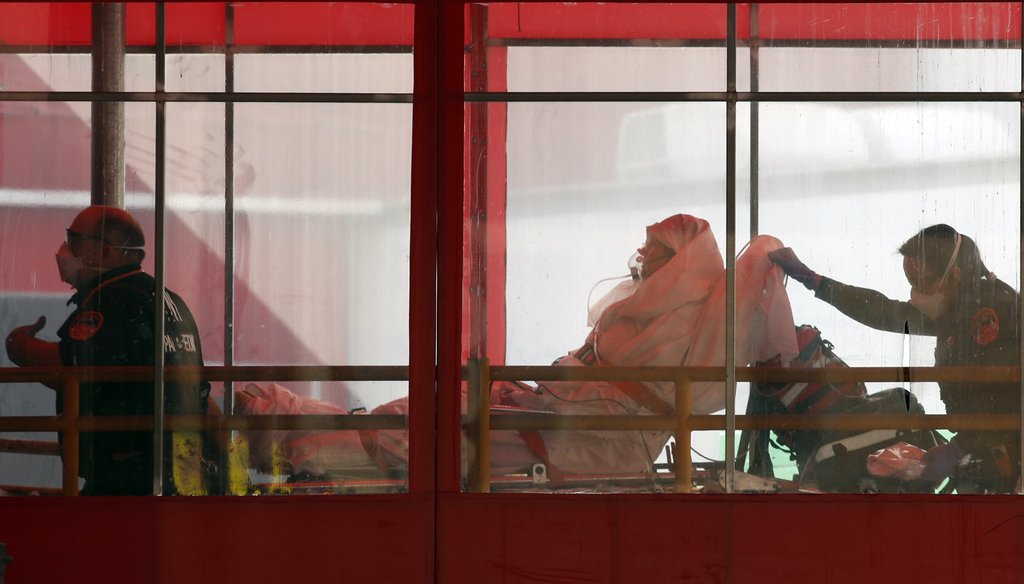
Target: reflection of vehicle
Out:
[670,143]
[856,147]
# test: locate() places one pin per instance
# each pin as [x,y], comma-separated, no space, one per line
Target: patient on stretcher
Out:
[671,313]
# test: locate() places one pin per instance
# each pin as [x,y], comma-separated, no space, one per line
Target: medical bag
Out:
[814,397]
[836,460]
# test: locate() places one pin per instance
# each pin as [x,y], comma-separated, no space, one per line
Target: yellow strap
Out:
[278,469]
[238,466]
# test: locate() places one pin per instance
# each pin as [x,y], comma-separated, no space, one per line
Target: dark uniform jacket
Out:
[113,325]
[981,329]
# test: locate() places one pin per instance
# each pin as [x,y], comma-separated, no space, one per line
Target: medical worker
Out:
[113,325]
[974,317]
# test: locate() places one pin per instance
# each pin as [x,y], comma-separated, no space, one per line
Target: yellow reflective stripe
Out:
[238,466]
[278,468]
[187,463]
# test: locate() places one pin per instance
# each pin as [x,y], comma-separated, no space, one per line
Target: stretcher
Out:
[824,471]
[708,478]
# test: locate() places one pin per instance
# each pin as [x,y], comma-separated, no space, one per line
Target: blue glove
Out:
[941,461]
[786,259]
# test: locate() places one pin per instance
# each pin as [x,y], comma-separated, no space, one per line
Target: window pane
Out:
[47,47]
[877,174]
[543,180]
[597,47]
[341,73]
[187,72]
[321,251]
[46,72]
[324,47]
[285,279]
[584,182]
[29,461]
[98,329]
[888,47]
[37,206]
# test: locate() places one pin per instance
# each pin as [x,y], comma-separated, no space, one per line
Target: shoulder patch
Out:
[985,324]
[85,325]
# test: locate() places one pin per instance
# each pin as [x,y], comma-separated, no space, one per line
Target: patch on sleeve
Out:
[985,324]
[85,325]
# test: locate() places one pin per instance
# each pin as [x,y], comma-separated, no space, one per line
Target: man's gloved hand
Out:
[25,350]
[786,259]
[941,461]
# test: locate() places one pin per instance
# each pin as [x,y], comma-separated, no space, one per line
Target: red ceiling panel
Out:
[359,23]
[286,23]
[256,23]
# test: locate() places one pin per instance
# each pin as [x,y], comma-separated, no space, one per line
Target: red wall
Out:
[516,538]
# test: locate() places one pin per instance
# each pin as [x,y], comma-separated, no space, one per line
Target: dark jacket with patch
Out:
[981,329]
[113,325]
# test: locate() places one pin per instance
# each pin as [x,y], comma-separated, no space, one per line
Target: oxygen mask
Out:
[634,265]
[618,292]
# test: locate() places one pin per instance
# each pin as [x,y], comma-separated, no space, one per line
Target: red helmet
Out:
[112,225]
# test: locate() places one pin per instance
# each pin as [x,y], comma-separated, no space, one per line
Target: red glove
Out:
[25,350]
[900,460]
[786,259]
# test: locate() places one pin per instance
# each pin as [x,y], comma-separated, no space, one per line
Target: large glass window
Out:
[632,177]
[811,127]
[280,218]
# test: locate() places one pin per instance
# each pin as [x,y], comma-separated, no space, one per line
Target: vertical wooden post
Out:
[472,428]
[483,456]
[478,411]
[71,440]
[683,464]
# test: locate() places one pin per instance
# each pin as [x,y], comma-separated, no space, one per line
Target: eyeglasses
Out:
[73,237]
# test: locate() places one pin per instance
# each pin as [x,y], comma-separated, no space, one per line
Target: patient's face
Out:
[653,255]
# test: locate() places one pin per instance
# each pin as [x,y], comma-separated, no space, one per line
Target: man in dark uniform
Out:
[974,317]
[113,325]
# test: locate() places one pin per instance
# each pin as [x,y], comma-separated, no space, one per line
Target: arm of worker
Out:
[786,259]
[868,307]
[25,350]
[874,309]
